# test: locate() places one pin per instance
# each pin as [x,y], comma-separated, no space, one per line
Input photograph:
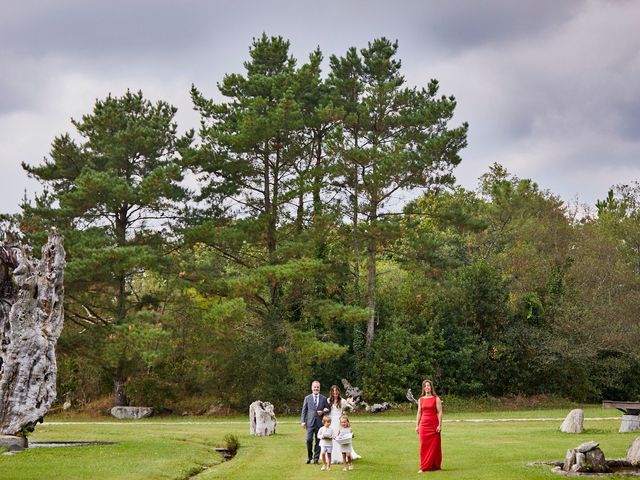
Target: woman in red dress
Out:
[428,426]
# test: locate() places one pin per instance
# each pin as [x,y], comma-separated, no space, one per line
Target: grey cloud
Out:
[97,29]
[458,24]
[549,87]
[625,121]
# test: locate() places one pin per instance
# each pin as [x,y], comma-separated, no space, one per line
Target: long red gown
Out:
[430,443]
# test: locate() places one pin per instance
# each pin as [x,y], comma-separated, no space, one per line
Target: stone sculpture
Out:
[587,457]
[262,420]
[31,317]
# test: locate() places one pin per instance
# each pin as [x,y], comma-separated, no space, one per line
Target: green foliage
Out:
[390,138]
[103,193]
[291,262]
[330,312]
[399,360]
[231,443]
[308,354]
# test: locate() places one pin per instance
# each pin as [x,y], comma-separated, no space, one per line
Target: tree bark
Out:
[31,317]
[371,292]
[120,398]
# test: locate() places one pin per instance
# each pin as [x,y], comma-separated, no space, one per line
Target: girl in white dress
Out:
[338,404]
[345,434]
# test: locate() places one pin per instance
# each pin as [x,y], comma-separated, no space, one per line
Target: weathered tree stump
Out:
[573,423]
[262,420]
[410,397]
[377,407]
[31,316]
[351,392]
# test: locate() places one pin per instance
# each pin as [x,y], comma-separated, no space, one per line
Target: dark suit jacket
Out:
[310,415]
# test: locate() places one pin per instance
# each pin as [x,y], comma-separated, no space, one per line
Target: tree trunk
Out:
[371,292]
[356,239]
[318,177]
[120,398]
[31,317]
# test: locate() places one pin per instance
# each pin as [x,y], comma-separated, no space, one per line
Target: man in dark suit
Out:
[314,407]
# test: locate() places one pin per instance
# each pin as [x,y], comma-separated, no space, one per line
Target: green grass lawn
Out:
[176,448]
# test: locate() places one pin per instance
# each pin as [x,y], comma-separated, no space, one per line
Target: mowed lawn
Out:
[179,449]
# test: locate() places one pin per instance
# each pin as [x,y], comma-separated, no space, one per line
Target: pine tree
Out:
[113,194]
[392,138]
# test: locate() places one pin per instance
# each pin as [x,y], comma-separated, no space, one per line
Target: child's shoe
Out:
[324,467]
[345,469]
[350,467]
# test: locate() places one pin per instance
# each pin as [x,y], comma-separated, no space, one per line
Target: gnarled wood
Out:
[31,317]
[262,419]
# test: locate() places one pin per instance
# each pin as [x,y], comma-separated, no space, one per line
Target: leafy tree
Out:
[390,138]
[619,213]
[529,237]
[405,346]
[113,193]
[440,231]
[262,153]
[596,329]
[469,314]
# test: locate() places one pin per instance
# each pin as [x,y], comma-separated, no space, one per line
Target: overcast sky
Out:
[550,88]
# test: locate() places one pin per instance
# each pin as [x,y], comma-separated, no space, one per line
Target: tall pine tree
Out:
[113,194]
[392,138]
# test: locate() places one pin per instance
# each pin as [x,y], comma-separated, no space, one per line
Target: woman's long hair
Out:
[335,400]
[433,390]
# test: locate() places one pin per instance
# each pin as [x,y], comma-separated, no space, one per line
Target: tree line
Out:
[312,228]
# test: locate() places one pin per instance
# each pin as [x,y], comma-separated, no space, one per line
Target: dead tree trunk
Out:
[31,316]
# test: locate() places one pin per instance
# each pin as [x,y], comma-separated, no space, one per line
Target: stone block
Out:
[131,413]
[13,443]
[630,423]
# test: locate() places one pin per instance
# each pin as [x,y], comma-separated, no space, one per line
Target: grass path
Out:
[475,446]
[295,422]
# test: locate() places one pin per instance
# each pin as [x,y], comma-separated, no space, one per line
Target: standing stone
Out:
[569,459]
[594,461]
[31,316]
[579,465]
[633,454]
[262,420]
[630,423]
[573,423]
